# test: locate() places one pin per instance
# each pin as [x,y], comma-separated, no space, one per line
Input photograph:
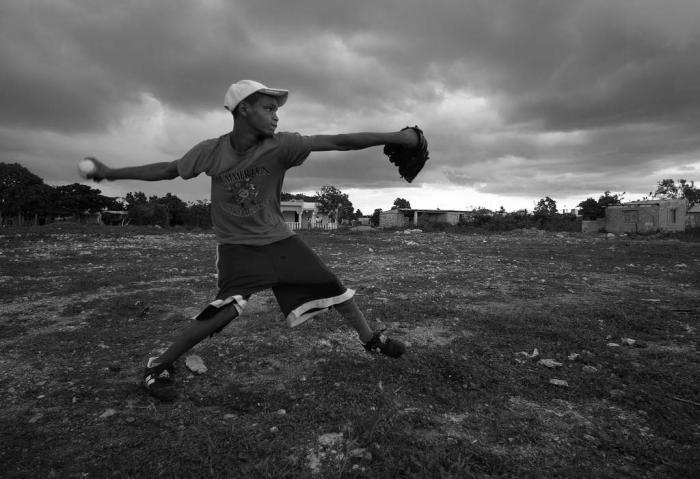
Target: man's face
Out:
[262,115]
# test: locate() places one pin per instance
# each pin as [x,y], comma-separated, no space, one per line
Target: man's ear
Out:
[243,108]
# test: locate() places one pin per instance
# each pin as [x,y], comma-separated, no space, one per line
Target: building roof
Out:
[413,210]
[304,205]
[654,202]
[659,202]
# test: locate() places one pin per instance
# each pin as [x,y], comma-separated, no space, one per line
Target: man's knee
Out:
[345,305]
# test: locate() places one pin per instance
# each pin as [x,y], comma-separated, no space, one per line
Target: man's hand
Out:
[100,172]
[409,157]
[409,138]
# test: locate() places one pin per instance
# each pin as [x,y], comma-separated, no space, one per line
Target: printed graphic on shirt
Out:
[243,197]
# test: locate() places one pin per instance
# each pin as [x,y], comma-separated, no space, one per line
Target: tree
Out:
[346,212]
[401,203]
[77,199]
[160,215]
[691,193]
[374,219]
[298,196]
[137,207]
[481,216]
[199,214]
[358,213]
[592,209]
[133,199]
[480,210]
[165,211]
[546,208]
[22,192]
[610,200]
[668,189]
[176,209]
[335,204]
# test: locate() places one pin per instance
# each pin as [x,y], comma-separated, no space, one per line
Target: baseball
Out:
[86,167]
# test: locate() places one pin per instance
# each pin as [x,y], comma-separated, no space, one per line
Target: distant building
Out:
[647,216]
[300,214]
[409,217]
[693,216]
[115,218]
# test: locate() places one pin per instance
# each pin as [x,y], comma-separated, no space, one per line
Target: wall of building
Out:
[632,219]
[290,216]
[392,219]
[669,215]
[451,217]
[592,226]
[672,216]
[692,218]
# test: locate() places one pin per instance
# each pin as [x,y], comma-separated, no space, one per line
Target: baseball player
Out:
[255,248]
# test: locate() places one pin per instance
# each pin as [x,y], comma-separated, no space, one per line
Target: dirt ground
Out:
[531,354]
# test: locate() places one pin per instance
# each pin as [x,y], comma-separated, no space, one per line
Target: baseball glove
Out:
[409,160]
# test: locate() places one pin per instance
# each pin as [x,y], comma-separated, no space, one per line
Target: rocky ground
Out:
[531,354]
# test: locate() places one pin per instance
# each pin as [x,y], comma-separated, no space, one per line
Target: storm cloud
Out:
[520,100]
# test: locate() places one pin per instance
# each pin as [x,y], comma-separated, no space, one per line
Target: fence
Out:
[319,226]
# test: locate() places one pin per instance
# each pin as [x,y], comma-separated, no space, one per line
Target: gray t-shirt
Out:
[246,187]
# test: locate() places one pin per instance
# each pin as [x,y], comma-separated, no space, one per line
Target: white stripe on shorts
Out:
[304,313]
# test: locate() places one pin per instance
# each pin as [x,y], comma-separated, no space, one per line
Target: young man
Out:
[256,250]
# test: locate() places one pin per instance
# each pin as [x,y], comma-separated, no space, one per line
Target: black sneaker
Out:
[381,344]
[158,381]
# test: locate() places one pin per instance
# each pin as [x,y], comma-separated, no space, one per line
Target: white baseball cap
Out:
[240,90]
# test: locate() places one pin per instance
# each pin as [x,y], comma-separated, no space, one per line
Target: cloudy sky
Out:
[519,99]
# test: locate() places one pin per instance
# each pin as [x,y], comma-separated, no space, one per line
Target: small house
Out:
[300,214]
[646,216]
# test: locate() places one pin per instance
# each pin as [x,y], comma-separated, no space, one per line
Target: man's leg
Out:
[196,332]
[374,341]
[352,314]
[157,376]
[301,272]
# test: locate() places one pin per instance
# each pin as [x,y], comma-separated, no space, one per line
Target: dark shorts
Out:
[300,281]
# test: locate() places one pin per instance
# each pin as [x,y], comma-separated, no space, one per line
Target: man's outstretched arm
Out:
[360,141]
[166,170]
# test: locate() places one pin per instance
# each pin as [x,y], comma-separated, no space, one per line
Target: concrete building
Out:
[408,217]
[647,216]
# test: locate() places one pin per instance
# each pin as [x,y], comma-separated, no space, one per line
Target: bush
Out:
[569,223]
[690,234]
[496,223]
[429,226]
[521,220]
